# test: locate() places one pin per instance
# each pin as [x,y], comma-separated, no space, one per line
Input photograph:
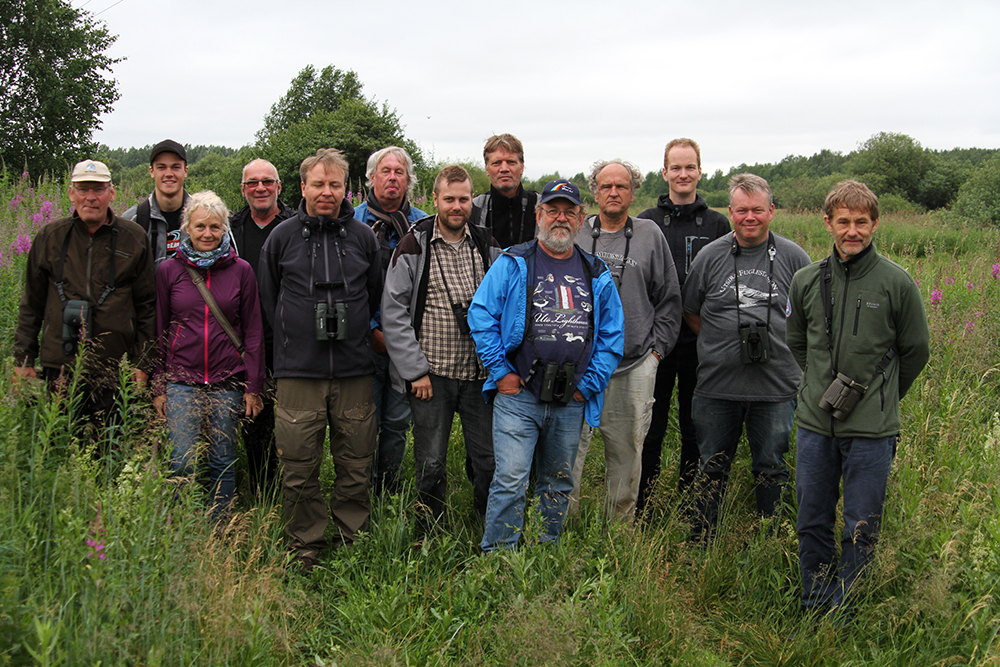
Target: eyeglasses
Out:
[266,182]
[555,213]
[88,189]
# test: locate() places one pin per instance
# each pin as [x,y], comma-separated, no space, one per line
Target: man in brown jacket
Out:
[89,285]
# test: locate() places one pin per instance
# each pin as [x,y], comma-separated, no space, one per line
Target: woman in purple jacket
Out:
[202,378]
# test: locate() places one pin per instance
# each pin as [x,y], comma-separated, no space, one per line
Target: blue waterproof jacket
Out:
[498,317]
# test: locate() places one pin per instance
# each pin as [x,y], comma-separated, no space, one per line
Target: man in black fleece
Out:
[689,225]
[507,210]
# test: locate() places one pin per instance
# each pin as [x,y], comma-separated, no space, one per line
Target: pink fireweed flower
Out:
[935,297]
[96,539]
[970,285]
[949,281]
[15,203]
[969,326]
[22,245]
[996,271]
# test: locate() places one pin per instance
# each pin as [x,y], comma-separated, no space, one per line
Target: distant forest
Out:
[906,176]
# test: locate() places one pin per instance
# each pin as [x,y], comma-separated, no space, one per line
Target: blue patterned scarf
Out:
[205,259]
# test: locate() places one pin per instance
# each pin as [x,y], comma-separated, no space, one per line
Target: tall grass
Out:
[104,561]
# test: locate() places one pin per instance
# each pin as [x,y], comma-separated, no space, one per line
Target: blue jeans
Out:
[821,461]
[392,413]
[189,408]
[431,431]
[719,424]
[524,429]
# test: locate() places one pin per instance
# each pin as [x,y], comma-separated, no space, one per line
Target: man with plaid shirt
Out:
[434,272]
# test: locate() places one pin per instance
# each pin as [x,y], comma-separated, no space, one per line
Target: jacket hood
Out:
[528,249]
[681,210]
[345,215]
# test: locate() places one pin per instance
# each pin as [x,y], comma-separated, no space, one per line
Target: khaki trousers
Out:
[304,408]
[625,419]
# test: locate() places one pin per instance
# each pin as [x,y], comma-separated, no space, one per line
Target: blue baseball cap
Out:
[560,188]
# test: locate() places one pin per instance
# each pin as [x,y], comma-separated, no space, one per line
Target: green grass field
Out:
[105,562]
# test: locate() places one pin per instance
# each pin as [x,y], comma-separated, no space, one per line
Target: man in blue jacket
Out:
[387,210]
[549,328]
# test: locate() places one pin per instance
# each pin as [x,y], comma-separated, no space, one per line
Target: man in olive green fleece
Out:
[857,327]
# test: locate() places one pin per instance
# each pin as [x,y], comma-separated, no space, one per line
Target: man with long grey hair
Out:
[387,210]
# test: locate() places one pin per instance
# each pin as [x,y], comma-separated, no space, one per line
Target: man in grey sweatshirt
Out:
[643,268]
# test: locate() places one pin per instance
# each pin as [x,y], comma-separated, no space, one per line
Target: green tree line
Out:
[905,175]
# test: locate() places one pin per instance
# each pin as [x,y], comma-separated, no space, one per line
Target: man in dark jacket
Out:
[857,327]
[160,214]
[249,229]
[320,283]
[689,225]
[434,273]
[90,280]
[507,210]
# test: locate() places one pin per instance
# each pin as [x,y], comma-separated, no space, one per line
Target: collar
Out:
[436,234]
[499,196]
[860,264]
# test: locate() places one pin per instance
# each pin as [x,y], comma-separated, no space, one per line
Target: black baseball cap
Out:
[168,146]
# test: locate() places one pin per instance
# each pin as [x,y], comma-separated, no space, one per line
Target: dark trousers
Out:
[681,364]
[821,463]
[432,421]
[258,441]
[97,402]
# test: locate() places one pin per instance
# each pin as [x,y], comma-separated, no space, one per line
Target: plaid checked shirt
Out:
[456,269]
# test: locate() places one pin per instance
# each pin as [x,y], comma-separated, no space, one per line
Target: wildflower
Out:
[949,281]
[935,297]
[16,202]
[969,326]
[918,282]
[970,285]
[96,539]
[996,271]
[21,245]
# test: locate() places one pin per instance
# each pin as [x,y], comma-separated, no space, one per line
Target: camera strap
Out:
[109,288]
[487,220]
[437,260]
[213,306]
[628,242]
[771,252]
[826,294]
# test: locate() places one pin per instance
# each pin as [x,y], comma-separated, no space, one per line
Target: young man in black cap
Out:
[160,215]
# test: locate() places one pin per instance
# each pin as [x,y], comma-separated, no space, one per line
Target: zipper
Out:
[208,286]
[90,262]
[857,316]
[840,339]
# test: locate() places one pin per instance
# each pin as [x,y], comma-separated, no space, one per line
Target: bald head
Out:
[261,187]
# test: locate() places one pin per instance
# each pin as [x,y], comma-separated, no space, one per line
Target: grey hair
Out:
[751,184]
[635,176]
[259,160]
[411,172]
[206,201]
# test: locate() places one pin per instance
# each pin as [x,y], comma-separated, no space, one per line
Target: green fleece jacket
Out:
[876,306]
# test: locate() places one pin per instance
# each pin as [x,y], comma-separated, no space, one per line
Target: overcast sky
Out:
[576,82]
